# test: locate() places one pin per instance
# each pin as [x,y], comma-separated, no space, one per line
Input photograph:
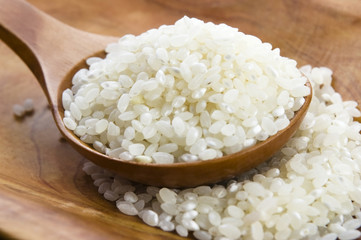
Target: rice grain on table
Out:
[20,110]
[28,105]
[170,90]
[310,189]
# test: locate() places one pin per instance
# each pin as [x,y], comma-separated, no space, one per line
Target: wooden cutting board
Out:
[43,192]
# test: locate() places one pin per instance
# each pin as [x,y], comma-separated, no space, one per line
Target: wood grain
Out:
[43,192]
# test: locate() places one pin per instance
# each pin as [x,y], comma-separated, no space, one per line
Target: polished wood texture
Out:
[43,192]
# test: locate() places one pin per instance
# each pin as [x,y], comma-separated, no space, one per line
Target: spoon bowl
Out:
[55,52]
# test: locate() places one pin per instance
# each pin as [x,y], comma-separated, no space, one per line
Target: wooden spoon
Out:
[54,52]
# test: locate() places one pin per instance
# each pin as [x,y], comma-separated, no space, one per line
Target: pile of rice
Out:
[185,92]
[310,189]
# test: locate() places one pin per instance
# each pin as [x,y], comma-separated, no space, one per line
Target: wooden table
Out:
[43,192]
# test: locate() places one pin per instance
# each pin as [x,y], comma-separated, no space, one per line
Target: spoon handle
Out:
[48,47]
[30,34]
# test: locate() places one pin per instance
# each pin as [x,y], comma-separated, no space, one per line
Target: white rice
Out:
[310,189]
[20,110]
[28,105]
[168,90]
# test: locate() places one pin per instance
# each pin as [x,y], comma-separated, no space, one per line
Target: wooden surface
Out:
[43,192]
